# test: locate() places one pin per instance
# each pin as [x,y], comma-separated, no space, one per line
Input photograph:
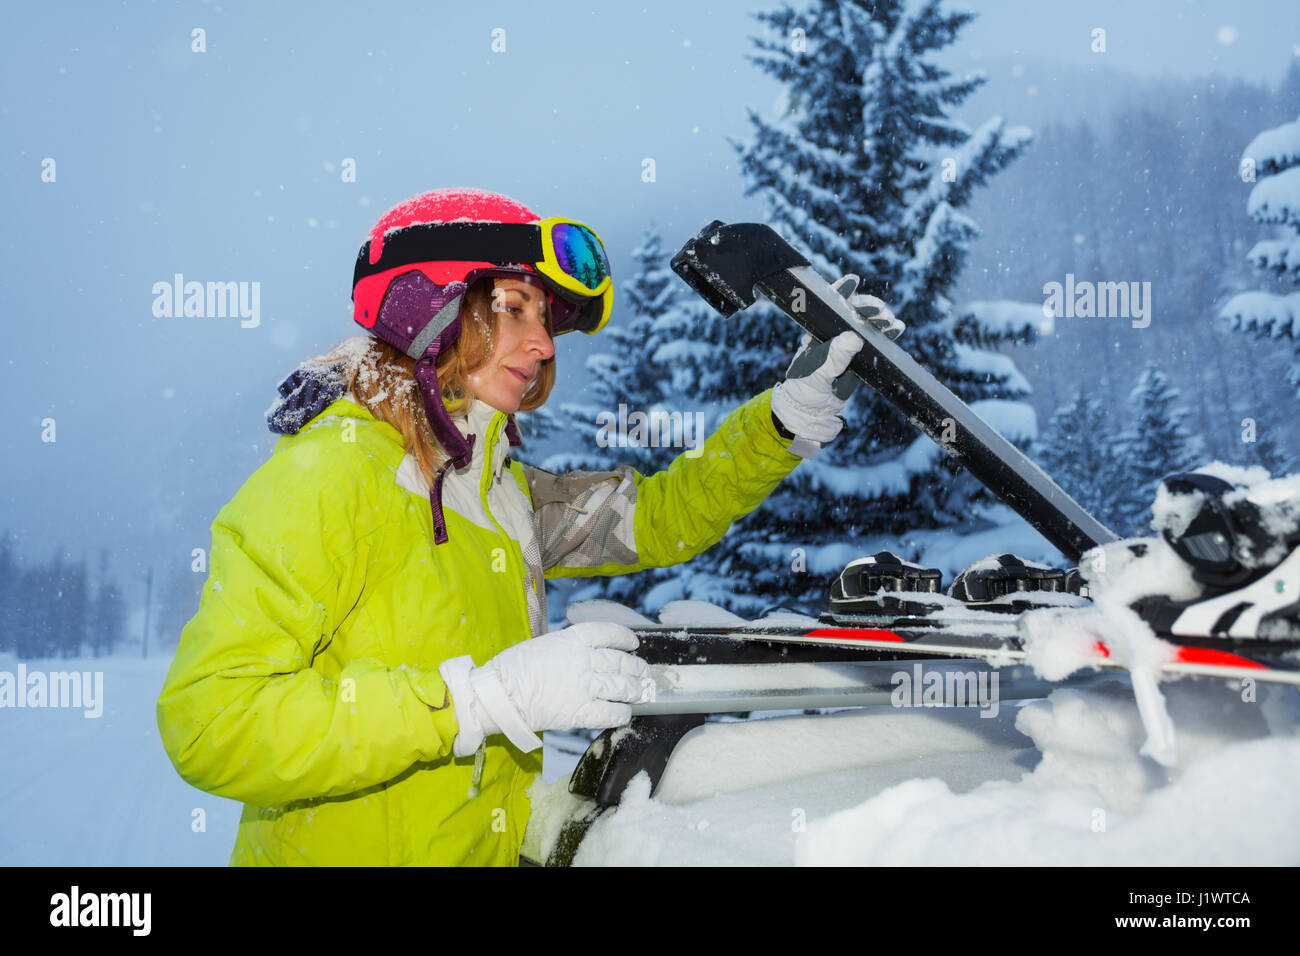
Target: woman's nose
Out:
[539,339]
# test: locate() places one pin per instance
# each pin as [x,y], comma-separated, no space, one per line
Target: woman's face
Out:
[520,344]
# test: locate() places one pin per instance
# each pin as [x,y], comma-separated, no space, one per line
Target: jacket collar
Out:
[481,420]
[488,424]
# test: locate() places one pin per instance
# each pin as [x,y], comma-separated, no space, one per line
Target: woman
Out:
[369,669]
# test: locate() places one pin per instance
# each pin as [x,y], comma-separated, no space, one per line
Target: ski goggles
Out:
[567,254]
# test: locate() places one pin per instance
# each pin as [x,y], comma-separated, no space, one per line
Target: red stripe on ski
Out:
[1200,655]
[1205,655]
[857,634]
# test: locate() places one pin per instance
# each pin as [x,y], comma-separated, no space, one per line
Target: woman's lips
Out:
[522,377]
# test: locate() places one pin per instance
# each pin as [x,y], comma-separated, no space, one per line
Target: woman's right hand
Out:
[581,676]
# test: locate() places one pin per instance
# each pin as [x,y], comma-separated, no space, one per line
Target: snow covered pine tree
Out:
[864,173]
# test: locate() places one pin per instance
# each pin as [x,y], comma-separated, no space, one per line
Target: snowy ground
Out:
[100,791]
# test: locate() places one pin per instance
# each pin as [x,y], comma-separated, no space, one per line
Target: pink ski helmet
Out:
[415,266]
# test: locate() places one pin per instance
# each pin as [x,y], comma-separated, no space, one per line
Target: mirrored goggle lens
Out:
[580,254]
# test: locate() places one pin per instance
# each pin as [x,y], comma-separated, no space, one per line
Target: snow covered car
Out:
[1016,726]
[1062,778]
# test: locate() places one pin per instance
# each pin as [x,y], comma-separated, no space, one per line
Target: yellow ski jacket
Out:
[307,686]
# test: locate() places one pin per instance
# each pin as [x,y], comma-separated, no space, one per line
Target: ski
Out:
[885,608]
[728,264]
[980,636]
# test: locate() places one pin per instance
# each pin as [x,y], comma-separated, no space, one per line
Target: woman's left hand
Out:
[815,391]
[869,307]
[818,384]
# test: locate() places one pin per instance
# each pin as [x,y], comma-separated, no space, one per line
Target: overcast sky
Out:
[225,166]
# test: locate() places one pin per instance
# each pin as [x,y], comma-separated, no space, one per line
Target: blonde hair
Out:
[383,377]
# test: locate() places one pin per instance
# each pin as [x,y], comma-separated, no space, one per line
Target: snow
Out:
[992,364]
[1091,799]
[1005,317]
[1116,575]
[101,792]
[1276,199]
[734,792]
[991,563]
[870,561]
[600,609]
[1057,781]
[1057,598]
[790,618]
[1275,149]
[701,613]
[1172,513]
[1278,504]
[1274,314]
[1279,255]
[1014,420]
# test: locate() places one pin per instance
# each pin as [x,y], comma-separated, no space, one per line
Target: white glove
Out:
[817,385]
[581,676]
[815,391]
[869,307]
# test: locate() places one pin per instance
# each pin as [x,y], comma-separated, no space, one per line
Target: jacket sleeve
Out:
[614,522]
[242,712]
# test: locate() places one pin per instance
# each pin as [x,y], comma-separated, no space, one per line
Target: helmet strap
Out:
[458,447]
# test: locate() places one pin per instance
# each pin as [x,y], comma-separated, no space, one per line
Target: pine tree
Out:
[623,373]
[40,610]
[626,384]
[10,571]
[865,173]
[26,610]
[109,614]
[1272,162]
[1267,453]
[1078,450]
[51,621]
[110,619]
[1288,90]
[75,603]
[1156,444]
